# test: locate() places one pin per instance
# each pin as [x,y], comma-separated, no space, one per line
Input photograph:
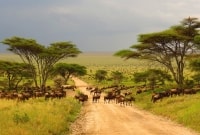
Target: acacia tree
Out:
[66,70]
[100,75]
[15,72]
[40,57]
[117,77]
[152,76]
[140,77]
[169,47]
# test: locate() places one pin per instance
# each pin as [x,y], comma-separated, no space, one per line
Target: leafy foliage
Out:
[195,65]
[15,73]
[66,70]
[117,77]
[41,58]
[152,76]
[100,75]
[169,48]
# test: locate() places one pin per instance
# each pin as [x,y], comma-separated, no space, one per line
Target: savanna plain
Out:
[53,117]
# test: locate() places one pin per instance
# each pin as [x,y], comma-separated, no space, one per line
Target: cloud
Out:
[105,25]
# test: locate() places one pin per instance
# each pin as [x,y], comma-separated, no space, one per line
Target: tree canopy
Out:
[42,58]
[66,70]
[100,75]
[169,47]
[152,76]
[14,72]
[117,77]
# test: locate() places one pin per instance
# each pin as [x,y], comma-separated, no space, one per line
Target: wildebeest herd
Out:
[111,94]
[170,93]
[122,95]
[34,92]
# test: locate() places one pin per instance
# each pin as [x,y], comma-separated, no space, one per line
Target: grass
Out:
[37,116]
[182,109]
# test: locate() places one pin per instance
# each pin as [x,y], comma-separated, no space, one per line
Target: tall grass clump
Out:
[37,116]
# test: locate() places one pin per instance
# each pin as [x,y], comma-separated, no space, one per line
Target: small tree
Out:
[156,77]
[66,70]
[153,77]
[117,77]
[100,75]
[15,73]
[140,77]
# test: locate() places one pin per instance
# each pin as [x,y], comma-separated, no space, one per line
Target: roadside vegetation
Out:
[183,109]
[32,96]
[37,116]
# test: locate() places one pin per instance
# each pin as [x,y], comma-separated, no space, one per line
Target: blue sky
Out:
[93,25]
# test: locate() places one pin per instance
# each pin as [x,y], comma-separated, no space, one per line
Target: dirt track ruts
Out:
[113,119]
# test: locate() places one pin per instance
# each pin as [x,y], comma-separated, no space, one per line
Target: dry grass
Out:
[37,116]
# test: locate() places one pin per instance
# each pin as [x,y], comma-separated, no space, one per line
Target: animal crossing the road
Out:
[113,119]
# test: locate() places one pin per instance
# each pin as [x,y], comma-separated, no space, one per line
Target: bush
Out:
[21,118]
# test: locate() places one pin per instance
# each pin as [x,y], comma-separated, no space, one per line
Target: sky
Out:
[93,25]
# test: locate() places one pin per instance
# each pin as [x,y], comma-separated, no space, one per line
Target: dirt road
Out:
[113,119]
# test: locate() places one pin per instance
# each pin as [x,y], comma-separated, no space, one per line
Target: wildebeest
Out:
[2,94]
[55,94]
[138,91]
[129,100]
[110,96]
[23,96]
[81,97]
[72,87]
[48,95]
[159,95]
[95,91]
[96,97]
[156,96]
[38,93]
[189,91]
[120,99]
[176,91]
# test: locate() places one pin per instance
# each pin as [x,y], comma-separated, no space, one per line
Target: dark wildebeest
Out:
[156,96]
[96,97]
[95,90]
[120,99]
[176,91]
[138,91]
[81,97]
[71,87]
[23,96]
[189,91]
[129,100]
[110,96]
[160,95]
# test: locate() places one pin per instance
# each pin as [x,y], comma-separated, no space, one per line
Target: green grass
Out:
[37,116]
[182,109]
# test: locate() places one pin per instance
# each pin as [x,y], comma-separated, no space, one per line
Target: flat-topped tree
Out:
[66,70]
[14,72]
[42,58]
[169,47]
